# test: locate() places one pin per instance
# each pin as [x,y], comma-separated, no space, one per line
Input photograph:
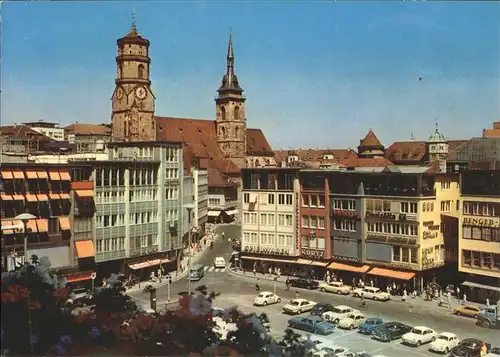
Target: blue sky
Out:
[316,74]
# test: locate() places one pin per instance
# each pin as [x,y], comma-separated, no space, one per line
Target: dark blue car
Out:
[313,324]
[370,324]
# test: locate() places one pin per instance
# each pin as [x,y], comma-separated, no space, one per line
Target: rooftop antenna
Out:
[412,137]
[437,125]
[134,27]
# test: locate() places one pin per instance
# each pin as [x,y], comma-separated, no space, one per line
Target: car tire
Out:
[418,343]
[458,313]
[375,298]
[475,316]
[278,301]
[299,312]
[446,350]
[351,327]
[336,321]
[433,339]
[264,303]
[339,292]
[322,289]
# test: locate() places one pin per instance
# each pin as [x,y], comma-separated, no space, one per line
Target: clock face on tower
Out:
[141,92]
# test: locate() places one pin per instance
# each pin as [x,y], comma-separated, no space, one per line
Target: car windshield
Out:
[295,302]
[445,338]
[337,311]
[417,331]
[262,295]
[371,322]
[351,316]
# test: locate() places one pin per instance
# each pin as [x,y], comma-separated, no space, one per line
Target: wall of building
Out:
[347,234]
[314,228]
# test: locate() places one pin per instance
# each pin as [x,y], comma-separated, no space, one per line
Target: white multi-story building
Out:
[270,212]
[52,130]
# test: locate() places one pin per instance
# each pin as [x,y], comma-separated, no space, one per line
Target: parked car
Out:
[352,321]
[336,287]
[85,300]
[304,283]
[390,331]
[298,306]
[334,351]
[370,324]
[313,324]
[320,308]
[470,347]
[266,298]
[419,335]
[494,352]
[467,311]
[338,313]
[373,293]
[445,341]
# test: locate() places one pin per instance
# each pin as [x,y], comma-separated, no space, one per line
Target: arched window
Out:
[140,71]
[236,132]
[223,132]
[222,113]
[236,113]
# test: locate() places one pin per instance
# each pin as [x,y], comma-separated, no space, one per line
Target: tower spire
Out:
[230,53]
[230,80]
[134,27]
[437,125]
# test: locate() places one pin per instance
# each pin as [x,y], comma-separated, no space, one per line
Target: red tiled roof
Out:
[257,143]
[370,140]
[88,129]
[217,179]
[22,131]
[366,162]
[406,151]
[309,155]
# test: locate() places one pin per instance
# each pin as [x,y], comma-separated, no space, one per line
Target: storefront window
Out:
[476,233]
[467,232]
[486,234]
[487,260]
[476,258]
[466,257]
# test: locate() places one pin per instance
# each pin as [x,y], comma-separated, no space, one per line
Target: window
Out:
[321,222]
[321,201]
[378,206]
[246,197]
[313,222]
[246,217]
[281,240]
[289,220]
[281,220]
[140,71]
[467,232]
[445,206]
[486,234]
[305,221]
[487,260]
[236,113]
[270,219]
[289,199]
[457,205]
[254,182]
[476,259]
[305,242]
[413,207]
[281,199]
[396,253]
[289,242]
[369,205]
[466,257]
[263,219]
[404,207]
[313,201]
[387,206]
[321,243]
[253,218]
[405,254]
[476,233]
[414,255]
[263,238]
[270,198]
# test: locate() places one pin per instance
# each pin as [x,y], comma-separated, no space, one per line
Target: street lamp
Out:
[189,208]
[25,217]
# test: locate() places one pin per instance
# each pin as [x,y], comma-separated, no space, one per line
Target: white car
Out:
[298,306]
[266,298]
[336,351]
[444,342]
[373,293]
[336,287]
[352,321]
[219,262]
[338,313]
[419,335]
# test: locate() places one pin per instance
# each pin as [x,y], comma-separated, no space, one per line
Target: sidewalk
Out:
[411,302]
[178,274]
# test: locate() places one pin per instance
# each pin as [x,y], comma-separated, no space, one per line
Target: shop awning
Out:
[319,264]
[42,197]
[80,277]
[7,227]
[31,198]
[148,263]
[31,175]
[480,286]
[54,196]
[213,213]
[346,267]
[7,175]
[18,175]
[43,225]
[54,176]
[31,225]
[84,249]
[84,193]
[42,175]
[64,196]
[64,223]
[65,176]
[277,260]
[232,212]
[18,197]
[6,197]
[394,274]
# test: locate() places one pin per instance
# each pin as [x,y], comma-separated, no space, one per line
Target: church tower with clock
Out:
[133,101]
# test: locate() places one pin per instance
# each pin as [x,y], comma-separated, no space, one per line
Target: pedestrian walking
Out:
[488,302]
[465,299]
[257,286]
[287,283]
[296,294]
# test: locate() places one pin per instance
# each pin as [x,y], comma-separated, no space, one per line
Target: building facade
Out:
[479,233]
[270,214]
[51,130]
[223,201]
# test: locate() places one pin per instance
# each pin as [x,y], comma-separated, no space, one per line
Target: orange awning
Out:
[54,176]
[19,175]
[85,248]
[43,225]
[148,263]
[31,225]
[80,277]
[64,196]
[7,175]
[42,174]
[6,197]
[18,197]
[346,267]
[394,274]
[31,175]
[303,261]
[42,197]
[85,193]
[271,259]
[54,196]
[8,230]
[65,176]
[31,198]
[64,223]
[319,264]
